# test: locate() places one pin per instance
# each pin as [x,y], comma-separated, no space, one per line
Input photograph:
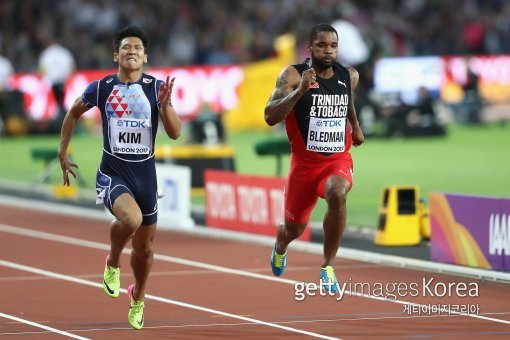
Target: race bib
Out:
[326,135]
[130,136]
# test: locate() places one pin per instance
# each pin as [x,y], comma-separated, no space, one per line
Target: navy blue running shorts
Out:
[110,186]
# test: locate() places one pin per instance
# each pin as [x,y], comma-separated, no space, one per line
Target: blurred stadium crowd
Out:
[230,31]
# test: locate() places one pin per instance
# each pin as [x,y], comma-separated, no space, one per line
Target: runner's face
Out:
[324,49]
[131,54]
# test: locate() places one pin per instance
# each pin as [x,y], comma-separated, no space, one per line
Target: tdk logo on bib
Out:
[329,123]
[326,135]
[135,124]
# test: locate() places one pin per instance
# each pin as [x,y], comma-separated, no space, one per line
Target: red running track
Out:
[202,287]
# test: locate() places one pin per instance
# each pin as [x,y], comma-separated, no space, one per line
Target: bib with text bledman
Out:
[326,135]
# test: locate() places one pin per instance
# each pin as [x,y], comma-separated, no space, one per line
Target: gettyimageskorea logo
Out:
[427,287]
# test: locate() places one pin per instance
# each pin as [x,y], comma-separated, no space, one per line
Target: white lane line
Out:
[173,273]
[96,245]
[103,246]
[103,329]
[158,298]
[34,324]
[309,247]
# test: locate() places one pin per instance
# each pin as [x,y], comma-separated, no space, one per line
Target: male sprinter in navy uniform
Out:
[315,99]
[130,102]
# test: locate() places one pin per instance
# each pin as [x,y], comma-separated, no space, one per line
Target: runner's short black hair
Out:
[130,31]
[314,32]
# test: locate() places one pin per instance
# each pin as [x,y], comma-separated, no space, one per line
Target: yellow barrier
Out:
[193,151]
[65,192]
[199,158]
[424,222]
[403,219]
[258,84]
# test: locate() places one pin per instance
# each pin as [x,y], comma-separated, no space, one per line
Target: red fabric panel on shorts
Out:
[341,167]
[306,182]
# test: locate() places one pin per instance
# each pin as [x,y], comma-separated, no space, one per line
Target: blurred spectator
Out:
[12,115]
[181,45]
[56,64]
[6,70]
[419,119]
[394,117]
[367,109]
[469,110]
[207,128]
[423,114]
[228,31]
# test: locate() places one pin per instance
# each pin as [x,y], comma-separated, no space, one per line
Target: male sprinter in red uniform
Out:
[316,99]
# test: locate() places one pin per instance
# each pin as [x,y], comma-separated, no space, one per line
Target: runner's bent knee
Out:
[128,213]
[144,250]
[143,240]
[132,221]
[336,197]
[336,192]
[295,229]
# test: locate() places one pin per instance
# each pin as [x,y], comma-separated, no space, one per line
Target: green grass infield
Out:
[470,160]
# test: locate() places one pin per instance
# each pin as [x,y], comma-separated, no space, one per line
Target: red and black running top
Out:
[317,126]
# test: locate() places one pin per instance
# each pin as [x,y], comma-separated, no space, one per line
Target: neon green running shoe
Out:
[135,315]
[111,280]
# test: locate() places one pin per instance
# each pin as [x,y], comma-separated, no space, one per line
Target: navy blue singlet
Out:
[129,115]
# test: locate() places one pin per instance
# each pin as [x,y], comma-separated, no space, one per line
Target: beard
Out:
[322,63]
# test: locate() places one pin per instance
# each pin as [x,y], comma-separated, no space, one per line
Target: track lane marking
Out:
[103,246]
[247,324]
[64,277]
[38,325]
[66,210]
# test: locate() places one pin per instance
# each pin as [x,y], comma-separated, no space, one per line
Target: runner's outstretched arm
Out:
[171,121]
[70,121]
